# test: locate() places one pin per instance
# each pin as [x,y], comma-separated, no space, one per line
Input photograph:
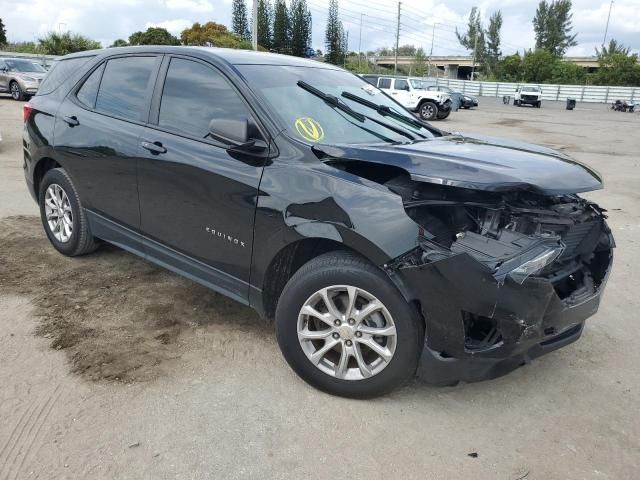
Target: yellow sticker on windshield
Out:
[309,129]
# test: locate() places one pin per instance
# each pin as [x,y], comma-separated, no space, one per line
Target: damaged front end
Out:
[500,277]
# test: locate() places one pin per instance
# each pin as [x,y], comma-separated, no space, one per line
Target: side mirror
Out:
[242,136]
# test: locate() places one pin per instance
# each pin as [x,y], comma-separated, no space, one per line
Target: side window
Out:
[89,89]
[384,83]
[59,72]
[401,85]
[2,65]
[123,87]
[193,95]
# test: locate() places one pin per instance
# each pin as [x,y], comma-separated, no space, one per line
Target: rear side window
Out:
[89,89]
[124,85]
[193,95]
[59,72]
[384,83]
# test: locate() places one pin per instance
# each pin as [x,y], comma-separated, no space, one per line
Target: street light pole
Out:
[475,49]
[606,29]
[433,36]
[360,42]
[395,63]
[254,26]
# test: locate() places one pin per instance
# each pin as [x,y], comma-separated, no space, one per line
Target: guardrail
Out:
[587,93]
[42,58]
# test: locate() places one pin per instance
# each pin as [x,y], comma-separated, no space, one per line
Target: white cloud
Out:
[106,21]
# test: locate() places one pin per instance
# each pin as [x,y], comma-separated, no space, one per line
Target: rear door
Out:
[196,198]
[97,134]
[4,76]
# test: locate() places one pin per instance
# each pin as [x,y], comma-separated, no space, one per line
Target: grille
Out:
[580,238]
[529,98]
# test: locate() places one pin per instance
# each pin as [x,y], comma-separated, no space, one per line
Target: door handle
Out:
[71,121]
[155,147]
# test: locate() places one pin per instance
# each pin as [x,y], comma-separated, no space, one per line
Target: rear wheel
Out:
[16,91]
[346,329]
[64,220]
[428,110]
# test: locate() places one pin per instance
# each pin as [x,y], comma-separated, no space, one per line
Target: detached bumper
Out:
[477,329]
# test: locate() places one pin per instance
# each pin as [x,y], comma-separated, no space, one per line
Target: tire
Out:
[16,91]
[333,272]
[538,104]
[443,115]
[80,241]
[516,103]
[428,110]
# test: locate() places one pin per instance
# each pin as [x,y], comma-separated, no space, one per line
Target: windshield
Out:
[310,119]
[531,89]
[420,84]
[24,66]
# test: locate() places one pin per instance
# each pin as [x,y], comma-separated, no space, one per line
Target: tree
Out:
[300,19]
[420,62]
[406,50]
[538,65]
[281,27]
[473,39]
[212,34]
[22,47]
[613,47]
[265,24]
[54,43]
[334,40]
[493,51]
[3,33]
[567,73]
[618,68]
[552,27]
[119,43]
[153,36]
[510,68]
[239,19]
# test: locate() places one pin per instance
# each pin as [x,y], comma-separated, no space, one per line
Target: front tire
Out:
[345,328]
[428,110]
[63,218]
[443,115]
[16,91]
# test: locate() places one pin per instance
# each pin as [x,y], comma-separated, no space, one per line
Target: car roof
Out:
[230,56]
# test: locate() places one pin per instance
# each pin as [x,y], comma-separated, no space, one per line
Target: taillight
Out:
[27,109]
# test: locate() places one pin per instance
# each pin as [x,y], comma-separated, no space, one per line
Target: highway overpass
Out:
[460,66]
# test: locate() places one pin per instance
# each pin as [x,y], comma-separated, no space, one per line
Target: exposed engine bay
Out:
[516,234]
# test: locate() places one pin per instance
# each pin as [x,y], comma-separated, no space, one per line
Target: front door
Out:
[195,198]
[4,76]
[401,93]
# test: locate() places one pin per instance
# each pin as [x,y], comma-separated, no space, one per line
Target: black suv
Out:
[379,243]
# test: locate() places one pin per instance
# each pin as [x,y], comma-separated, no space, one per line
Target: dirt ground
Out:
[113,368]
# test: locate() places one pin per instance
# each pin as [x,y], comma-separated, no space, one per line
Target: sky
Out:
[26,20]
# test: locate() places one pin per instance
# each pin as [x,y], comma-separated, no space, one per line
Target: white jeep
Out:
[409,93]
[528,95]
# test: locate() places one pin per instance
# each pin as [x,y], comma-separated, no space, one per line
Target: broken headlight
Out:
[535,265]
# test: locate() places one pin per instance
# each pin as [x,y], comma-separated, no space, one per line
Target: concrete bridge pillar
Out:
[451,71]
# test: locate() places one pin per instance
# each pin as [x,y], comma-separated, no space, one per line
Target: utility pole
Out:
[254,25]
[475,49]
[606,29]
[346,53]
[360,42]
[433,36]
[395,63]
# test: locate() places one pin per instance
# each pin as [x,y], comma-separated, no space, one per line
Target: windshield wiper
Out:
[335,102]
[385,111]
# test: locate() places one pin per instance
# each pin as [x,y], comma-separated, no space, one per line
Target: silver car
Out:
[20,77]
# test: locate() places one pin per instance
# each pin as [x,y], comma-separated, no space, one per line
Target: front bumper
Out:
[528,319]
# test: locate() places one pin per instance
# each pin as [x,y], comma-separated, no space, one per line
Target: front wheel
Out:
[346,329]
[428,110]
[443,115]
[64,220]
[538,104]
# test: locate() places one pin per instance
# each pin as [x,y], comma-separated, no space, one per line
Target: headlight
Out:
[29,79]
[521,273]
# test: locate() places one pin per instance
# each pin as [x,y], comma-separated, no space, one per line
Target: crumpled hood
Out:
[479,162]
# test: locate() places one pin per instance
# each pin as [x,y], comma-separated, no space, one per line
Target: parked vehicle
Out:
[380,244]
[20,77]
[463,100]
[428,105]
[528,95]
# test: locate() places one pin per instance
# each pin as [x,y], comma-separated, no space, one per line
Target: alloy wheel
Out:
[427,111]
[15,91]
[346,332]
[58,213]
